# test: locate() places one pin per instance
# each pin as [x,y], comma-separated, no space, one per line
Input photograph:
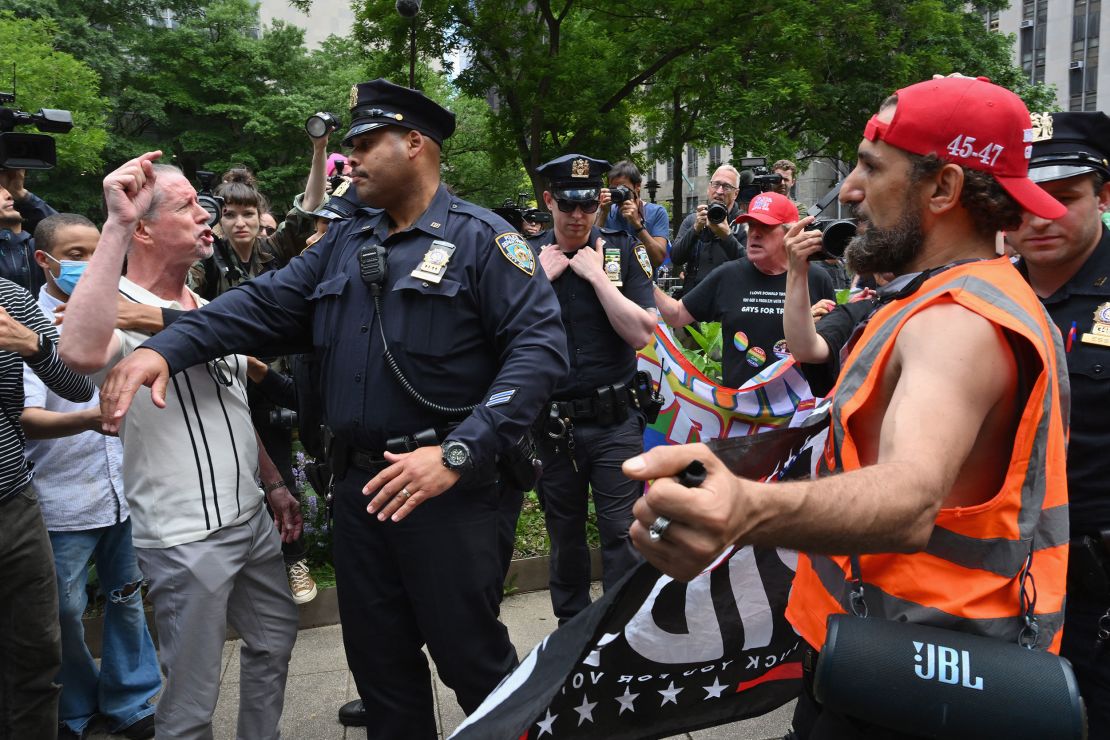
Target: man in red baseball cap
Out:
[946,429]
[746,295]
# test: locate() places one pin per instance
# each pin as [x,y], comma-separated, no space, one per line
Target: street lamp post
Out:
[653,188]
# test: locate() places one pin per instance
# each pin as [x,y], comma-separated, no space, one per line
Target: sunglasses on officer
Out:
[568,206]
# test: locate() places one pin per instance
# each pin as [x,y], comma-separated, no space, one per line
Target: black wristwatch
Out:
[456,456]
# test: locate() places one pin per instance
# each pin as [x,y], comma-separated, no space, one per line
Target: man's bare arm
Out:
[802,339]
[939,405]
[674,313]
[89,342]
[38,423]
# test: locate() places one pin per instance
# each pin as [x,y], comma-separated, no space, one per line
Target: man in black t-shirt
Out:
[747,295]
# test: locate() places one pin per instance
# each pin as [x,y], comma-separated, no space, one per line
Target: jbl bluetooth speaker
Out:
[936,683]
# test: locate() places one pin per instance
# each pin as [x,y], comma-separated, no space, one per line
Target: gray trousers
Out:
[236,576]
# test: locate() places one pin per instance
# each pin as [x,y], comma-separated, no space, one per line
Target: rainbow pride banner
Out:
[695,409]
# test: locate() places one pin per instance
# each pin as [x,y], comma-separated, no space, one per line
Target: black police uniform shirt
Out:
[488,333]
[1089,372]
[749,305]
[598,355]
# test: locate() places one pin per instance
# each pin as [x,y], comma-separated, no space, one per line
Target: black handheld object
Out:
[373,267]
[943,684]
[835,235]
[693,475]
[716,213]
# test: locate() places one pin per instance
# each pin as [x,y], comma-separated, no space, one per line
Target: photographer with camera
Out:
[788,171]
[20,211]
[747,296]
[622,210]
[711,235]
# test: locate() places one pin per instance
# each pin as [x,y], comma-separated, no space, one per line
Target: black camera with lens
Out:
[283,418]
[716,213]
[835,235]
[321,124]
[208,200]
[516,213]
[19,151]
[620,194]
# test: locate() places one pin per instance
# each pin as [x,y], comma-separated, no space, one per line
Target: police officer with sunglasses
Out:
[594,421]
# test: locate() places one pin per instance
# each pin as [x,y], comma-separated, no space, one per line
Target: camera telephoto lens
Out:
[319,124]
[716,213]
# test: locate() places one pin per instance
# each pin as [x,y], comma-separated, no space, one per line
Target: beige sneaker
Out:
[301,583]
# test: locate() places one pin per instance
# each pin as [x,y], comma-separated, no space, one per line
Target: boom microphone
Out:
[408,8]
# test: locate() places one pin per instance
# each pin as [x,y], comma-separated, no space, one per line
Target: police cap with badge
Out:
[342,204]
[1068,144]
[575,178]
[381,103]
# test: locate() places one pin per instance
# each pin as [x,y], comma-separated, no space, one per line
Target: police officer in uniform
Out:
[1067,262]
[437,343]
[594,421]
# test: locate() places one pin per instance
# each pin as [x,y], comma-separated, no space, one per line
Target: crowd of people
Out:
[433,353]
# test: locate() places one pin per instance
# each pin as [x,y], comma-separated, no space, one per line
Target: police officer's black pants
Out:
[1091,663]
[599,453]
[434,578]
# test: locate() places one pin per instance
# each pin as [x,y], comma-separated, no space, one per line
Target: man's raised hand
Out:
[129,190]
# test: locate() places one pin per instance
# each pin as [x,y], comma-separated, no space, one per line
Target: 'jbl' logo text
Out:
[945,664]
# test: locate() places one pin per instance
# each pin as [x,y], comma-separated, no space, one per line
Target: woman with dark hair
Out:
[243,251]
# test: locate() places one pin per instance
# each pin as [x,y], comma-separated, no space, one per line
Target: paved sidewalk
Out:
[319,683]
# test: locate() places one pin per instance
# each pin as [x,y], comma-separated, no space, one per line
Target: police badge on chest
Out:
[613,265]
[434,264]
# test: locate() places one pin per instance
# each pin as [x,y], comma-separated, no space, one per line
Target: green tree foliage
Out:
[775,77]
[46,78]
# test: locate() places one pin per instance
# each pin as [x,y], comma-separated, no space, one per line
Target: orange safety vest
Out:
[967,577]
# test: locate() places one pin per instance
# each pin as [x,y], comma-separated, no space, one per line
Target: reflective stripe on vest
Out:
[1033,513]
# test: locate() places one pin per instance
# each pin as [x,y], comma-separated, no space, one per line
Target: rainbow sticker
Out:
[756,356]
[740,341]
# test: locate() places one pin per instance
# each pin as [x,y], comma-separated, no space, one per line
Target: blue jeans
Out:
[128,675]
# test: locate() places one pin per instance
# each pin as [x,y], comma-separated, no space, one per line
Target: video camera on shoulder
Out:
[20,151]
[755,178]
[208,200]
[516,212]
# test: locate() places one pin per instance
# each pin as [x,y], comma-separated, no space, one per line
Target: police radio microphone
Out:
[408,8]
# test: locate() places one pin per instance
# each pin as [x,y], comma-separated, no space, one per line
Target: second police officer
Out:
[1067,262]
[594,422]
[437,343]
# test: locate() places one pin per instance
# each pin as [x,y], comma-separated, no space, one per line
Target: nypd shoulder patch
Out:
[642,258]
[513,246]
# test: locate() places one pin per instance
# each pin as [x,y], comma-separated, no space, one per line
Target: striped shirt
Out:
[191,468]
[15,473]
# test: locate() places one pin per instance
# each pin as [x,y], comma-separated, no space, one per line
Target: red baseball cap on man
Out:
[772,209]
[970,122]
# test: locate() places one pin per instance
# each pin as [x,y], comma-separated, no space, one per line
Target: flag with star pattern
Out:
[656,657]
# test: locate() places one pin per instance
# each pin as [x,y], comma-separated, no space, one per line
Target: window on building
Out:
[1033,35]
[691,161]
[1083,64]
[691,203]
[990,17]
[714,158]
[651,173]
